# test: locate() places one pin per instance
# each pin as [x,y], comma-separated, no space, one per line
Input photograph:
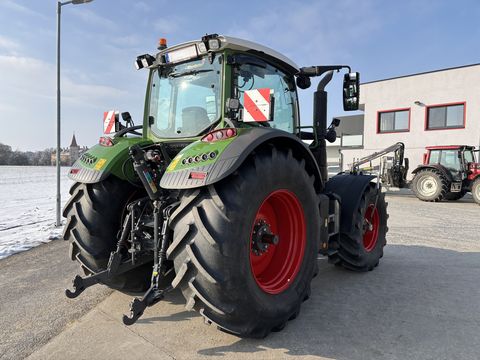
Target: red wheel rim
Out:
[371,224]
[276,268]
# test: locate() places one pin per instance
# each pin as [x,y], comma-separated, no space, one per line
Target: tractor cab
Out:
[459,160]
[217,82]
[221,82]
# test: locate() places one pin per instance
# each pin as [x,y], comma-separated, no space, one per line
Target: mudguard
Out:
[437,167]
[349,188]
[191,169]
[100,161]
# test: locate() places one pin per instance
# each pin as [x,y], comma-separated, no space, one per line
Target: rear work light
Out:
[105,141]
[221,134]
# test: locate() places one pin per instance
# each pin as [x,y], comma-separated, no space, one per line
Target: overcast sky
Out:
[101,39]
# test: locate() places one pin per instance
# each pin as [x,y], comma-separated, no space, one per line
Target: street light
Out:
[58,160]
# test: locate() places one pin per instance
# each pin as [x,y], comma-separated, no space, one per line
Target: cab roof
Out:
[246,45]
[229,42]
[449,147]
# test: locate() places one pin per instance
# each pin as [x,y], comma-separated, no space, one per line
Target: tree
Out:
[5,154]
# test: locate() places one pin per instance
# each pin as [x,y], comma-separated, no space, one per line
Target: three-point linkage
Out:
[154,294]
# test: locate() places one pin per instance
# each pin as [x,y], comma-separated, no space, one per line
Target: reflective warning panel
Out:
[257,104]
[109,118]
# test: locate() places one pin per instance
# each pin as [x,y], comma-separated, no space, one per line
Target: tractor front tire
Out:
[218,233]
[476,190]
[430,185]
[361,248]
[94,215]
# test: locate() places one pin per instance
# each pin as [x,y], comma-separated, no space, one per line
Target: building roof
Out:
[421,73]
[74,142]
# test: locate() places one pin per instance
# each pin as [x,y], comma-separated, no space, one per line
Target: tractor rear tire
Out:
[215,232]
[94,215]
[476,190]
[430,185]
[453,196]
[362,248]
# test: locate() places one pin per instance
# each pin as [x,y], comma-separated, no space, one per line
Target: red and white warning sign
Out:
[109,121]
[257,104]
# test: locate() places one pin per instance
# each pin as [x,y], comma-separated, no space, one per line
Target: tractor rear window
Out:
[185,99]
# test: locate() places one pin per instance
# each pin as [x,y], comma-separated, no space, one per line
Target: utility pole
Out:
[58,221]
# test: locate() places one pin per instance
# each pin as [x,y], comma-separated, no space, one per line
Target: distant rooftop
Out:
[421,73]
[74,141]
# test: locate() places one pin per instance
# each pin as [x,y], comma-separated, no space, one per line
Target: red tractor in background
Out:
[447,173]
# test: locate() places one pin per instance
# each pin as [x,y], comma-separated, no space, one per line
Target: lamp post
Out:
[58,160]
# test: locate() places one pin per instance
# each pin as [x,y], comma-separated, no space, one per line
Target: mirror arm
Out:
[319,70]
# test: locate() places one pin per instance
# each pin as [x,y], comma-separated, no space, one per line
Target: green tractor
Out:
[219,196]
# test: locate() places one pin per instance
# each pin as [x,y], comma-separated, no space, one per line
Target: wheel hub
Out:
[371,224]
[428,186]
[262,238]
[275,263]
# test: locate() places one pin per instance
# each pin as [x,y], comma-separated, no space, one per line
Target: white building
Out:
[439,107]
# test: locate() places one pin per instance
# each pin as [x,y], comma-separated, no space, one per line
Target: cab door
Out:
[258,74]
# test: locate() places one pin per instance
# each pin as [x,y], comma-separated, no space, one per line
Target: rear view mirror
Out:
[351,91]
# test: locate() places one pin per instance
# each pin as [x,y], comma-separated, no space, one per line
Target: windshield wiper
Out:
[192,72]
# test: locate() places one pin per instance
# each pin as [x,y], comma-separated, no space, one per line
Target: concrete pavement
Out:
[33,307]
[422,302]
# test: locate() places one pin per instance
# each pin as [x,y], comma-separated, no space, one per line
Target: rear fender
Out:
[349,188]
[183,173]
[100,161]
[437,167]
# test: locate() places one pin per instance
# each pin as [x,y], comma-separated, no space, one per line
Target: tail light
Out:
[221,134]
[198,175]
[105,141]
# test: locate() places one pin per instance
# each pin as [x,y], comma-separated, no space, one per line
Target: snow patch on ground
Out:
[27,206]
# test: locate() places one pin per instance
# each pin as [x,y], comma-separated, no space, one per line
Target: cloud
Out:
[9,45]
[27,103]
[92,18]
[142,6]
[15,6]
[37,78]
[126,41]
[323,30]
[168,25]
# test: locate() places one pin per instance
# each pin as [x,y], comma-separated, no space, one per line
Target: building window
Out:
[445,116]
[393,121]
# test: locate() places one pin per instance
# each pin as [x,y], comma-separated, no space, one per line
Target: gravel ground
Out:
[422,302]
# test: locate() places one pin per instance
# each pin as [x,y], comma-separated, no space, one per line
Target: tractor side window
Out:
[469,157]
[450,159]
[434,157]
[250,76]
